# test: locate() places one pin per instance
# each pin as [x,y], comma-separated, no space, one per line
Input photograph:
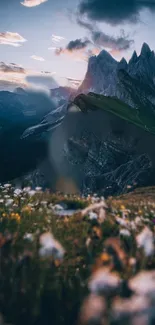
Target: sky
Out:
[52,40]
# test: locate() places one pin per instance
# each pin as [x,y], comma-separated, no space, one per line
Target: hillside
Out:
[144,118]
[103,145]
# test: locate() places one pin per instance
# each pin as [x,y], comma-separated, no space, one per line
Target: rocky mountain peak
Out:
[145,51]
[133,58]
[105,56]
[122,64]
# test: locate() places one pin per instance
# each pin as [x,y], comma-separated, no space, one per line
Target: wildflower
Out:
[1,200]
[31,193]
[92,207]
[138,220]
[26,189]
[17,192]
[93,310]
[38,189]
[122,222]
[50,247]
[7,185]
[58,207]
[44,203]
[9,202]
[102,215]
[16,216]
[93,215]
[28,236]
[103,281]
[133,225]
[125,232]
[145,241]
[135,310]
[26,209]
[143,283]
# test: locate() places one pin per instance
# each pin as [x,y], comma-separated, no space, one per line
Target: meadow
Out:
[94,266]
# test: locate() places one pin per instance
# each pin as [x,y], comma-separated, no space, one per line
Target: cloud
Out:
[77,44]
[48,72]
[44,81]
[11,68]
[32,3]
[103,40]
[75,48]
[38,58]
[120,43]
[57,38]
[9,38]
[74,82]
[114,11]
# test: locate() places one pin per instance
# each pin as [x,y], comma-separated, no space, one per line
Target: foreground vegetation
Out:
[94,266]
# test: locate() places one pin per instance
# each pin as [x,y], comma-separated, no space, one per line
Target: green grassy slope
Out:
[144,119]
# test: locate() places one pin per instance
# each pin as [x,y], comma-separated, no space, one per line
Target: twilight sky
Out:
[45,38]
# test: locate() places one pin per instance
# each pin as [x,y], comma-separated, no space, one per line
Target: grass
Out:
[142,118]
[37,289]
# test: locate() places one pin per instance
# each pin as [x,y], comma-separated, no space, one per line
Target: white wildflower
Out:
[103,281]
[1,200]
[7,185]
[143,283]
[38,188]
[93,216]
[9,202]
[138,220]
[133,226]
[93,310]
[58,207]
[6,196]
[27,189]
[31,193]
[102,215]
[135,309]
[125,232]
[145,241]
[17,191]
[50,247]
[28,236]
[44,203]
[122,222]
[94,207]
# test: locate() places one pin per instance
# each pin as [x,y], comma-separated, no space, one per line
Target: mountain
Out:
[24,130]
[132,82]
[62,94]
[103,145]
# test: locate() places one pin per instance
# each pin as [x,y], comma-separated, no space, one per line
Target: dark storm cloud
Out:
[74,45]
[11,68]
[101,39]
[120,43]
[114,11]
[78,44]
